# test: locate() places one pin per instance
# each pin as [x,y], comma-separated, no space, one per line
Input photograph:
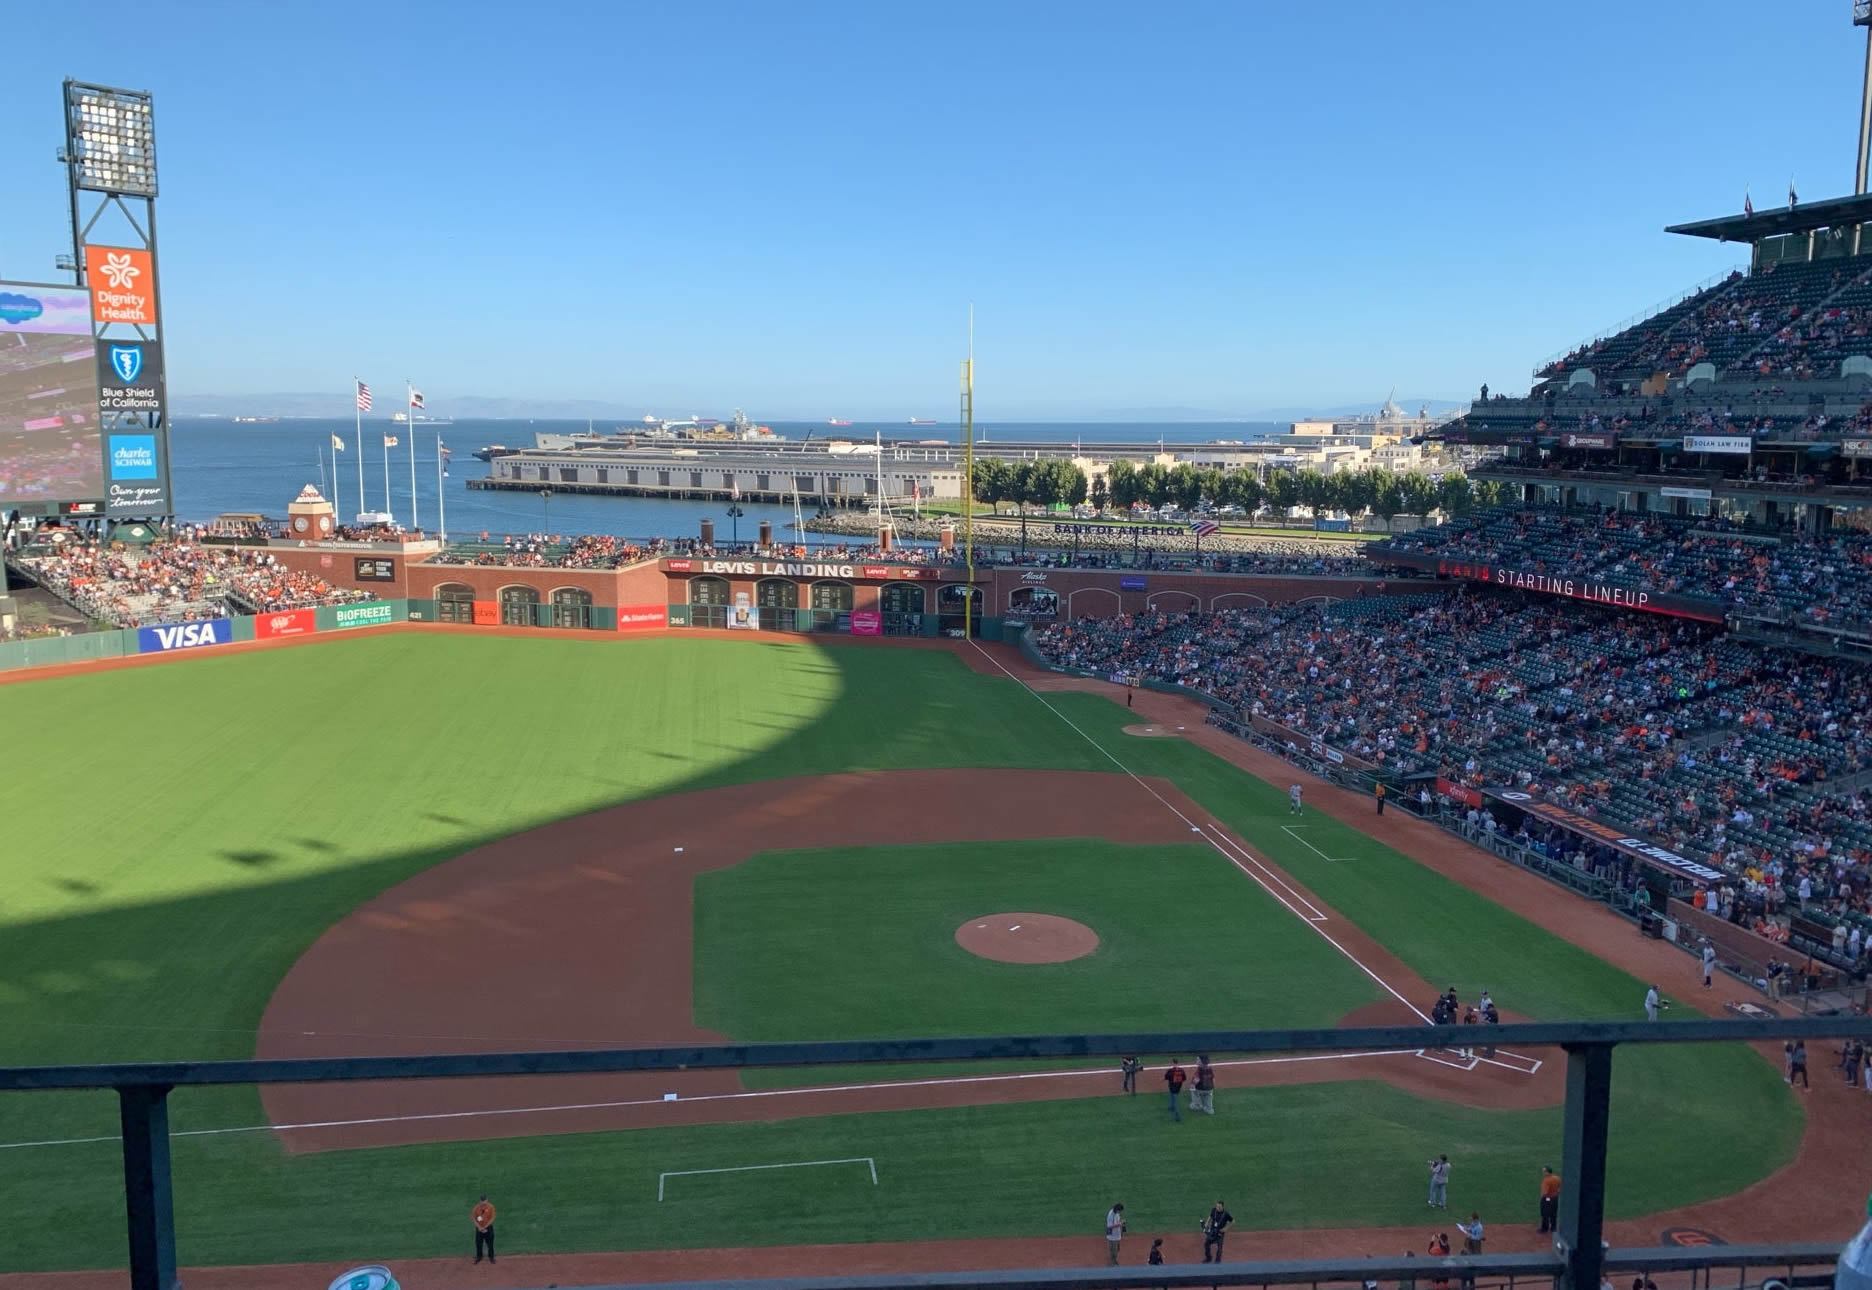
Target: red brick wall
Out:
[487,580]
[1095,593]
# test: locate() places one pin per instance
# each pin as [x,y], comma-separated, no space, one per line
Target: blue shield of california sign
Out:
[126,361]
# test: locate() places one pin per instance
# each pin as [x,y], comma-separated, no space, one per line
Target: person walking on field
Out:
[483,1217]
[1175,1078]
[1293,800]
[1651,1004]
[1709,964]
[1439,1183]
[1378,793]
[1472,1233]
[1130,1066]
[1797,1063]
[1202,1093]
[1214,1227]
[1549,1199]
[1114,1233]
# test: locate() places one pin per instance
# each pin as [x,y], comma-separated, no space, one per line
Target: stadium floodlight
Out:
[1862,13]
[110,140]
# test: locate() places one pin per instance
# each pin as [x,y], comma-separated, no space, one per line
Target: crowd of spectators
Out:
[1790,322]
[1824,581]
[171,581]
[1743,757]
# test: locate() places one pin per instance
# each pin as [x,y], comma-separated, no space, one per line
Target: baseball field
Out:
[425,841]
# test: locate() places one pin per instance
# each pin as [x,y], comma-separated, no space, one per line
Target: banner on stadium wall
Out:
[1122,530]
[293,622]
[1458,792]
[1856,447]
[174,636]
[1580,588]
[679,566]
[1688,494]
[376,613]
[1599,831]
[487,613]
[679,615]
[744,614]
[1600,442]
[1314,747]
[642,618]
[1133,584]
[1740,445]
[867,622]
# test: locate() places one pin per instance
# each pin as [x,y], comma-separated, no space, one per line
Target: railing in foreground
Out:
[1579,1263]
[1501,1272]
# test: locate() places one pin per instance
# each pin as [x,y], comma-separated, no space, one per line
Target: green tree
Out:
[1072,483]
[1389,500]
[1490,493]
[1021,486]
[1214,486]
[1186,486]
[1454,495]
[1312,489]
[1359,490]
[1244,489]
[1122,485]
[1283,490]
[991,481]
[1418,494]
[1100,494]
[1155,482]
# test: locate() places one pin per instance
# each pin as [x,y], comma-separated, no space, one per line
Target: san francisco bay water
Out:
[218,465]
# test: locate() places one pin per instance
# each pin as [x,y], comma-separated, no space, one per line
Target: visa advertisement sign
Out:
[176,636]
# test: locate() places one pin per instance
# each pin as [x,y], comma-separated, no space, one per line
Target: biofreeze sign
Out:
[174,636]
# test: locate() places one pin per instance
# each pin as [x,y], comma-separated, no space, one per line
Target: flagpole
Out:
[357,390]
[386,477]
[441,499]
[321,455]
[415,513]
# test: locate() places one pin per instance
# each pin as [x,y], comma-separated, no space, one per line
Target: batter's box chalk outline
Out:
[1293,831]
[867,1161]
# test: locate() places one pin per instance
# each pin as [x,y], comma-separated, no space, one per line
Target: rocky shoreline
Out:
[1005,533]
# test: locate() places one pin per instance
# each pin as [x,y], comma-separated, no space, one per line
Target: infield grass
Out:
[162,877]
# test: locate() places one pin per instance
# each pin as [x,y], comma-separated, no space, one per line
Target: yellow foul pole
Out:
[968,488]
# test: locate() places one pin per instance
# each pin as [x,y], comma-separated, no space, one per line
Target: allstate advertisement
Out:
[175,636]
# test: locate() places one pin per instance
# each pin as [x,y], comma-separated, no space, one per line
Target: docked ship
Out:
[492,451]
[921,421]
[402,419]
[835,421]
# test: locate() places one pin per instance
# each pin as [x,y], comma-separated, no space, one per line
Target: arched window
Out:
[571,607]
[518,605]
[832,595]
[708,591]
[777,593]
[454,603]
[901,598]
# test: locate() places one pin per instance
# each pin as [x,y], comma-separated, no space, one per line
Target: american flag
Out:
[363,397]
[415,398]
[1205,528]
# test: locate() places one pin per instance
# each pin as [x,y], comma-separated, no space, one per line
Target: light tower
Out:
[1862,17]
[968,481]
[110,164]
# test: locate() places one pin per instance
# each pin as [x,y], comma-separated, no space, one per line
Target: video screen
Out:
[49,432]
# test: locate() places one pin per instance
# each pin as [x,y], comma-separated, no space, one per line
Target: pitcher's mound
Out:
[1026,938]
[1152,731]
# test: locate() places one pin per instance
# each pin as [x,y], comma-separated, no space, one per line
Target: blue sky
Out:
[788,207]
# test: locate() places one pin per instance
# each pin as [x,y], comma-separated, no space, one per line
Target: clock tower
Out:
[310,518]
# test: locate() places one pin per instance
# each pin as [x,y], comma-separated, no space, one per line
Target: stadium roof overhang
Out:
[1781,221]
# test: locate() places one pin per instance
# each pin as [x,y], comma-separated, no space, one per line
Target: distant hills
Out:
[480,407]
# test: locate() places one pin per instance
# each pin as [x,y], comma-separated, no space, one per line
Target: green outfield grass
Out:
[173,854]
[857,943]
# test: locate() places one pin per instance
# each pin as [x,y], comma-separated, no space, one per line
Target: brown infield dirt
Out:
[1026,938]
[552,939]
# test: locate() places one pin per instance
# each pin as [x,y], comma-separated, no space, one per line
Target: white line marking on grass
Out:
[1312,919]
[810,1090]
[1294,833]
[785,1164]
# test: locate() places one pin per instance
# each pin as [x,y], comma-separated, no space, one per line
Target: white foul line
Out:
[1294,833]
[785,1164]
[1313,920]
[808,1090]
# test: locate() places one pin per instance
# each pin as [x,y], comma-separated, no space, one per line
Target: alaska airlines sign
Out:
[778,569]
